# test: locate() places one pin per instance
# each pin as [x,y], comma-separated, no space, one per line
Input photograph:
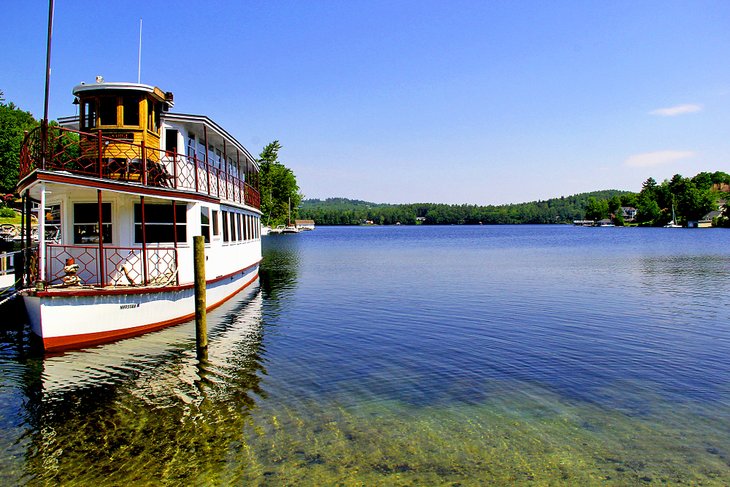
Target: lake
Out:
[402,355]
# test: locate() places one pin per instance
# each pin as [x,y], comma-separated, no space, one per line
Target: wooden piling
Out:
[201,324]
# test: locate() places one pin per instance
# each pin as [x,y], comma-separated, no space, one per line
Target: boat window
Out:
[53,224]
[216,224]
[88,115]
[153,114]
[170,141]
[158,114]
[205,223]
[131,110]
[86,223]
[232,221]
[108,110]
[191,145]
[159,226]
[225,225]
[241,236]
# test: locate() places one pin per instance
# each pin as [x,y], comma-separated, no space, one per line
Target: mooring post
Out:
[201,324]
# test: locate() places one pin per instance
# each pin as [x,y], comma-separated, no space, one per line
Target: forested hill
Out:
[343,211]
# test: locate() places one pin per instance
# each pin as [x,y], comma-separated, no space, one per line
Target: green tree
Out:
[596,209]
[629,199]
[13,124]
[614,205]
[649,186]
[703,181]
[647,209]
[278,187]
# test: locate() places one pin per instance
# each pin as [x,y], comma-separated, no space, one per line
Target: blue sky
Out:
[480,102]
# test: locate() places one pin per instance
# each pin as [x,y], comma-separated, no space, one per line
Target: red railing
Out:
[123,266]
[97,155]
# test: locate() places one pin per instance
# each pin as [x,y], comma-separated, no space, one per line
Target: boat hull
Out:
[74,319]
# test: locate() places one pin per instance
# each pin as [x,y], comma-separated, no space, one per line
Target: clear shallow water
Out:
[407,356]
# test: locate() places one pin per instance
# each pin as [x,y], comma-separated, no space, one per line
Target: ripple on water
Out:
[397,356]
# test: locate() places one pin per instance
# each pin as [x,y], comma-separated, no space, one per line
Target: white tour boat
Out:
[125,186]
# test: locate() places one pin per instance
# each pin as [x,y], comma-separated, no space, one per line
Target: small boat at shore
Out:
[125,186]
[672,223]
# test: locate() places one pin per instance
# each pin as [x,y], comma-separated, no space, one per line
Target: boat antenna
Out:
[139,54]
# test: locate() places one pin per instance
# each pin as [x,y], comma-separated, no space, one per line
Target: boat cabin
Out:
[126,185]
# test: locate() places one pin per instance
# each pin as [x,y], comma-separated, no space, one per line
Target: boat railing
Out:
[113,157]
[120,266]
[7,262]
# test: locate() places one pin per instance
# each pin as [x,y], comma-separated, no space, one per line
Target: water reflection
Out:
[124,406]
[280,267]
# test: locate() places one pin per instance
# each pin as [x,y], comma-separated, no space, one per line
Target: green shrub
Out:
[7,212]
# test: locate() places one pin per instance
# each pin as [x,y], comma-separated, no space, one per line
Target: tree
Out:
[649,185]
[596,209]
[614,205]
[278,187]
[703,181]
[13,124]
[647,210]
[629,199]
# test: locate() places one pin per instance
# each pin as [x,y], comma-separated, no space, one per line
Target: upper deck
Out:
[124,138]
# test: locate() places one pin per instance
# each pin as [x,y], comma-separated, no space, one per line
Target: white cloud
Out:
[657,158]
[677,110]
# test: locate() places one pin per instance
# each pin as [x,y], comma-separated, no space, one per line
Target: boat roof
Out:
[156,92]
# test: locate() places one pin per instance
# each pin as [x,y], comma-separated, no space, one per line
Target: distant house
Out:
[628,213]
[706,221]
[304,224]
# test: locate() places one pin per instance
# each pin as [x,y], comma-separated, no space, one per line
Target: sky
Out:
[477,102]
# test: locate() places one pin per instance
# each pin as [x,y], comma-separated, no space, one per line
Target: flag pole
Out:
[139,54]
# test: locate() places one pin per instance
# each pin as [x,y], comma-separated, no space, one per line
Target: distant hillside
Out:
[343,211]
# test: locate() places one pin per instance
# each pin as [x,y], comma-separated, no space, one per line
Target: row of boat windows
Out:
[215,155]
[235,226]
[118,111]
[163,224]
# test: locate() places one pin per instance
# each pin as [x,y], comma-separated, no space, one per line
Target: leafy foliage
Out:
[13,123]
[692,197]
[278,186]
[688,198]
[342,211]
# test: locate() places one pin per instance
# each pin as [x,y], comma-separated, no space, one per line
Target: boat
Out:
[290,227]
[126,185]
[672,223]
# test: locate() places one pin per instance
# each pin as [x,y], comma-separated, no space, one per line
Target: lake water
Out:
[554,355]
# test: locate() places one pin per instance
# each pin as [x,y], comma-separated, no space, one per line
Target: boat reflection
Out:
[144,399]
